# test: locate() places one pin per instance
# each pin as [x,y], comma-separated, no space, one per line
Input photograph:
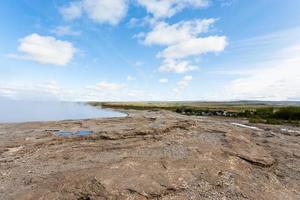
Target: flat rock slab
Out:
[244,148]
[149,155]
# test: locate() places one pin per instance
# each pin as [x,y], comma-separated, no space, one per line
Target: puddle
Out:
[245,126]
[289,131]
[74,134]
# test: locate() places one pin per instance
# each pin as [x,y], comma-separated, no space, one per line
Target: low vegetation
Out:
[256,112]
[273,115]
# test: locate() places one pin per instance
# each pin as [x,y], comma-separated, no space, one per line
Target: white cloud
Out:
[123,95]
[64,30]
[166,34]
[182,41]
[71,11]
[182,84]
[110,11]
[115,92]
[51,85]
[136,93]
[277,79]
[130,78]
[142,22]
[196,46]
[187,78]
[46,49]
[107,87]
[163,80]
[176,66]
[278,82]
[48,90]
[6,91]
[168,8]
[53,91]
[100,11]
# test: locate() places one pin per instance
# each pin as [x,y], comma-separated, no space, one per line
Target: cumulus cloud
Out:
[100,11]
[163,80]
[65,30]
[183,40]
[195,46]
[71,11]
[168,8]
[110,11]
[166,34]
[46,49]
[177,66]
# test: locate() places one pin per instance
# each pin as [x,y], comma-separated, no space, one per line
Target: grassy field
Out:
[255,111]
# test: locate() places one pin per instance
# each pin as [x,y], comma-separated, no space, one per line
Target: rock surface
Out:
[149,155]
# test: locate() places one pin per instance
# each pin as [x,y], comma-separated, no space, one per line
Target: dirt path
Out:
[150,155]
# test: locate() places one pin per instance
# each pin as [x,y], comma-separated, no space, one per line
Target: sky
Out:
[150,50]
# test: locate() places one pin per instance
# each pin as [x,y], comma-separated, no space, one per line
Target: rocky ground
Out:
[150,155]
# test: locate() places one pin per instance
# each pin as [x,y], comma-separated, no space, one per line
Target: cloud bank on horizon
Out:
[125,50]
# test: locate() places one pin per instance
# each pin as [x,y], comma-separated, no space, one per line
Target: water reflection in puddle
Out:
[77,133]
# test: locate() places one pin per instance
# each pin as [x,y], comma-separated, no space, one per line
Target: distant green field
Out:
[174,105]
[256,112]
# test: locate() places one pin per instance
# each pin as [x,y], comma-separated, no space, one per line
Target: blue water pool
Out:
[29,111]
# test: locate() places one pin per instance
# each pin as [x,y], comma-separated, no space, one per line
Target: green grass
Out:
[256,112]
[229,106]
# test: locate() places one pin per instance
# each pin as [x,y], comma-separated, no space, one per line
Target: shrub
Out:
[274,121]
[287,113]
[264,113]
[256,119]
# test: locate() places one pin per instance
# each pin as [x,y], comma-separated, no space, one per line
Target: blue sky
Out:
[131,50]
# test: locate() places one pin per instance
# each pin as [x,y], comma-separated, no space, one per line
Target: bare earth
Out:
[150,155]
